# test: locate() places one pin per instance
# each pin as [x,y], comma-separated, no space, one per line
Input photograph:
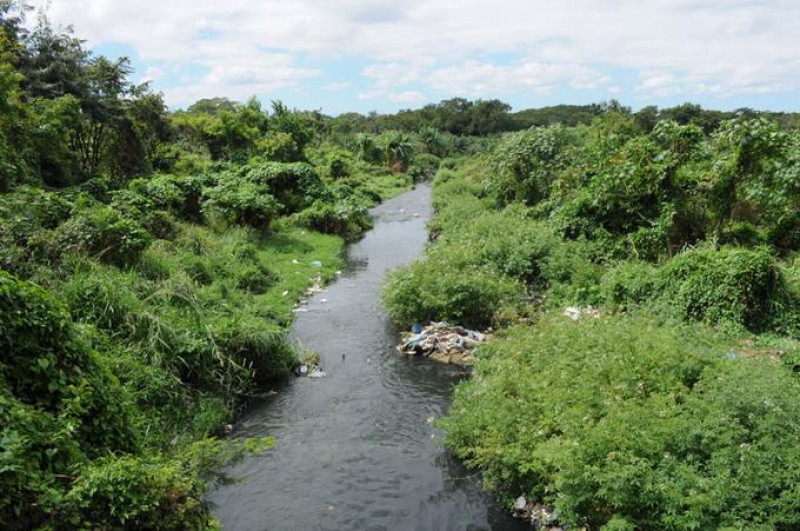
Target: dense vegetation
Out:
[673,402]
[149,263]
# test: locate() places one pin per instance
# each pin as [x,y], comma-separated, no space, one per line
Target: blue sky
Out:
[365,55]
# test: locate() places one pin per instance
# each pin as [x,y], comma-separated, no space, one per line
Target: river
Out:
[358,449]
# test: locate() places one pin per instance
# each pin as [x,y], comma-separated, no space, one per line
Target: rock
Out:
[520,504]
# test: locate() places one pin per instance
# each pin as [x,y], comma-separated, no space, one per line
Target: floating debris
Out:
[310,371]
[442,342]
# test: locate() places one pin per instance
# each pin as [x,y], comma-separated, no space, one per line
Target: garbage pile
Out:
[576,312]
[541,517]
[442,342]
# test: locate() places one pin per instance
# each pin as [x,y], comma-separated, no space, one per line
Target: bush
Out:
[139,493]
[104,233]
[622,420]
[345,217]
[295,186]
[264,351]
[58,404]
[627,284]
[743,234]
[729,285]
[525,164]
[241,202]
[179,194]
[256,279]
[785,234]
[103,300]
[435,289]
[198,270]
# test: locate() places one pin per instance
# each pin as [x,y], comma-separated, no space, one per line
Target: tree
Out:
[397,150]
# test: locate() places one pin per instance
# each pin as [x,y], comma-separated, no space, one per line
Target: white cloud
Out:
[152,74]
[389,75]
[336,87]
[408,96]
[713,47]
[484,79]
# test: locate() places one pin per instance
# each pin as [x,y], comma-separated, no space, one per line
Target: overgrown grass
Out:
[667,411]
[630,423]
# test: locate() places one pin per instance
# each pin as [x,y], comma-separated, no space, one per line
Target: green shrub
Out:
[618,420]
[198,270]
[729,285]
[103,300]
[263,350]
[525,164]
[508,242]
[179,194]
[294,186]
[105,233]
[139,493]
[256,279]
[785,234]
[345,217]
[34,207]
[241,202]
[743,234]
[58,404]
[628,284]
[435,289]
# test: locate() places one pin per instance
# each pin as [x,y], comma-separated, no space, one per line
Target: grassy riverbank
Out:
[671,401]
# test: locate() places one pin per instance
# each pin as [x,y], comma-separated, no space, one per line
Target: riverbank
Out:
[138,318]
[662,405]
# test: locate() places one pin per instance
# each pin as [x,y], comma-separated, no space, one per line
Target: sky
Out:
[386,55]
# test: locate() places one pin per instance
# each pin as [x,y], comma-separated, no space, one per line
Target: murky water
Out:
[358,449]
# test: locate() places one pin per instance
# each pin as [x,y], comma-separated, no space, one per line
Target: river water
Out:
[358,449]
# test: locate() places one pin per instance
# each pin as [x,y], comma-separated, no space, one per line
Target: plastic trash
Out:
[316,263]
[442,342]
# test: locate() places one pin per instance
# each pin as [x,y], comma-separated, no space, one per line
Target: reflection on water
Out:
[358,449]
